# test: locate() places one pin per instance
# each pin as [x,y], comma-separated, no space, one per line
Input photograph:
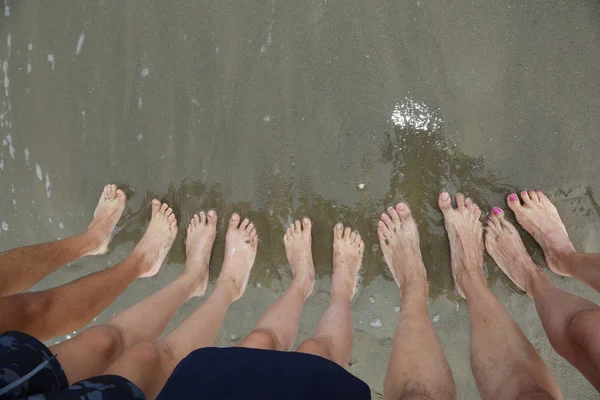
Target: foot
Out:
[157,240]
[348,250]
[241,243]
[107,214]
[399,240]
[540,218]
[504,244]
[466,239]
[298,248]
[201,234]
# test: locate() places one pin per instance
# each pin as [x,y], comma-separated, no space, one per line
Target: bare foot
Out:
[241,243]
[504,244]
[298,248]
[347,259]
[540,218]
[201,234]
[158,239]
[466,238]
[399,240]
[107,214]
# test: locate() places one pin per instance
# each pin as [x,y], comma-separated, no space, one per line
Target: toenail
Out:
[445,196]
[401,206]
[496,211]
[339,226]
[523,193]
[513,197]
[211,213]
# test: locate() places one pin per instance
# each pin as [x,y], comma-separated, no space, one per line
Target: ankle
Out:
[229,287]
[538,283]
[90,240]
[417,288]
[304,284]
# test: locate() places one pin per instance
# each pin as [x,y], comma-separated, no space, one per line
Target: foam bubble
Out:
[145,72]
[48,190]
[376,323]
[27,163]
[38,171]
[417,115]
[51,61]
[79,43]
[5,226]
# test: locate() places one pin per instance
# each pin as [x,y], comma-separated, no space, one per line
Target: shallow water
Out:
[280,109]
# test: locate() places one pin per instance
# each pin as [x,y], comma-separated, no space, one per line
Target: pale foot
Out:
[158,239]
[399,240]
[201,234]
[540,218]
[241,244]
[348,250]
[298,248]
[466,239]
[107,214]
[504,244]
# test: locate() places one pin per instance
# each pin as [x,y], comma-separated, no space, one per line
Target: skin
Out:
[418,367]
[504,363]
[572,323]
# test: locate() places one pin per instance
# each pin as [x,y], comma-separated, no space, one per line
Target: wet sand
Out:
[280,109]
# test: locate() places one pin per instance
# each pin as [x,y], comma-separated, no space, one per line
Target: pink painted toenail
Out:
[513,197]
[524,193]
[496,211]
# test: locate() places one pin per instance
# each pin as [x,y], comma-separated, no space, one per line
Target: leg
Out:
[23,267]
[540,218]
[90,353]
[148,364]
[278,327]
[418,366]
[504,362]
[571,323]
[333,338]
[67,308]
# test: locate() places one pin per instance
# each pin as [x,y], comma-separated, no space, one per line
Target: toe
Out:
[393,214]
[292,228]
[244,223]
[381,227]
[202,216]
[469,203]
[234,222]
[253,234]
[121,194]
[212,217]
[168,212]
[155,206]
[494,222]
[189,229]
[249,228]
[460,201]
[164,207]
[387,221]
[498,212]
[513,201]
[476,210]
[445,202]
[543,198]
[358,239]
[338,230]
[196,219]
[381,237]
[403,211]
[171,218]
[298,226]
[361,245]
[353,237]
[533,196]
[525,197]
[347,232]
[287,235]
[306,224]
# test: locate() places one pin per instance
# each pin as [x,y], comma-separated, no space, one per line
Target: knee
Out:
[104,339]
[152,353]
[315,346]
[262,339]
[536,393]
[584,328]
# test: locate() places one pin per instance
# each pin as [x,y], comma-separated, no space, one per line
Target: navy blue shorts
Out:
[240,373]
[20,354]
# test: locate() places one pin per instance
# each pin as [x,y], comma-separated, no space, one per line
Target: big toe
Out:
[403,211]
[445,202]
[513,202]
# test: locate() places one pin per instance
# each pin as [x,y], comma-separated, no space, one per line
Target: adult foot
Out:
[298,248]
[538,216]
[241,243]
[107,214]
[504,244]
[348,250]
[201,233]
[399,240]
[158,239]
[466,239]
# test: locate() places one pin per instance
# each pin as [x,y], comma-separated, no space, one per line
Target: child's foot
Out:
[298,248]
[157,240]
[240,252]
[201,234]
[107,214]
